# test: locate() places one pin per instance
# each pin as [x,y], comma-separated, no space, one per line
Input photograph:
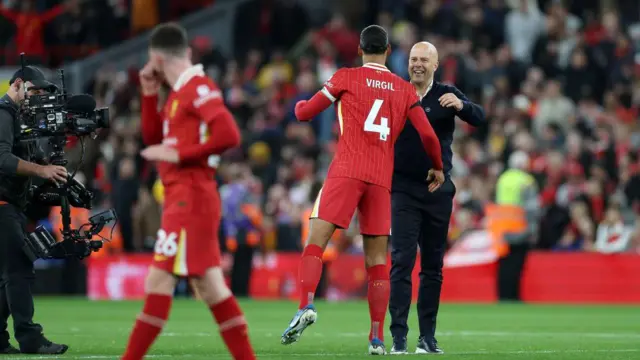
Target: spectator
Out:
[553,108]
[339,35]
[29,27]
[580,77]
[580,232]
[613,235]
[523,25]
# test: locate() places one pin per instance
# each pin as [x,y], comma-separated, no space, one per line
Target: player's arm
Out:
[151,121]
[429,139]
[307,110]
[222,128]
[330,93]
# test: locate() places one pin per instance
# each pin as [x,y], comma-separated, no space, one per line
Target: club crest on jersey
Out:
[174,108]
[203,90]
[206,94]
[427,109]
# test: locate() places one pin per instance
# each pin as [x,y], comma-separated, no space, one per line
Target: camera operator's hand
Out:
[57,174]
[149,81]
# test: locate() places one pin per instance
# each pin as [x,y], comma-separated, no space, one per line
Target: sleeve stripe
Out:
[326,93]
[414,105]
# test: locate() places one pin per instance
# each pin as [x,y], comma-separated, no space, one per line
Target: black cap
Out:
[33,75]
[374,40]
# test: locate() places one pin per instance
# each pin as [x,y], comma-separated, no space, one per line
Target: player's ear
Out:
[388,51]
[189,53]
[16,84]
[360,52]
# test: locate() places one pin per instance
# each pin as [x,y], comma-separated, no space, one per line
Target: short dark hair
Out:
[374,40]
[170,38]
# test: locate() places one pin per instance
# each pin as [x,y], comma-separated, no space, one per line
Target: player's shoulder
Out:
[402,84]
[339,78]
[198,85]
[200,89]
[345,70]
[342,73]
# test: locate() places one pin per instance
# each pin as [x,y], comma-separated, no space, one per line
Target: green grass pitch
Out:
[99,330]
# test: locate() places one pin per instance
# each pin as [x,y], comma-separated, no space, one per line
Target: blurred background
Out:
[557,79]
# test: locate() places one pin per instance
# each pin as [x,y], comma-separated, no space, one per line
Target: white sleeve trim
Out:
[326,93]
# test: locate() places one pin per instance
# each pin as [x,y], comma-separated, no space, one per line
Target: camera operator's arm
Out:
[11,164]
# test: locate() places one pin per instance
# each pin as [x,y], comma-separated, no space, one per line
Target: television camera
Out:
[56,115]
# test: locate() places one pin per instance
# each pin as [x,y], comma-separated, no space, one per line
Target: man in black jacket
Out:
[418,216]
[16,266]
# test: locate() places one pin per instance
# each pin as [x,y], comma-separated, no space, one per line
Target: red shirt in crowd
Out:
[29,26]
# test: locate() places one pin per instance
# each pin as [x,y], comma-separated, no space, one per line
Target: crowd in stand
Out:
[51,32]
[560,82]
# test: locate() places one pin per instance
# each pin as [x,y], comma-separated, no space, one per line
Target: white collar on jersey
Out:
[426,92]
[196,70]
[376,66]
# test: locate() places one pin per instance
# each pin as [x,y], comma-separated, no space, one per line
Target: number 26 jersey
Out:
[371,105]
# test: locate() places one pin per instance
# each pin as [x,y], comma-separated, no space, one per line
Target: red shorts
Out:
[340,197]
[187,243]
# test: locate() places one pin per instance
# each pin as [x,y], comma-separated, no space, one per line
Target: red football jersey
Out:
[372,105]
[192,111]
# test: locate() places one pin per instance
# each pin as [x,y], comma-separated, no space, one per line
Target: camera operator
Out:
[16,170]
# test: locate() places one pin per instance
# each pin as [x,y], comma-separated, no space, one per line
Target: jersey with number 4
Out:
[372,105]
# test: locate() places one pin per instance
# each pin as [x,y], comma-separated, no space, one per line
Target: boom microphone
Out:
[82,103]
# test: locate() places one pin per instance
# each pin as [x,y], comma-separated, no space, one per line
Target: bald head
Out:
[424,47]
[423,62]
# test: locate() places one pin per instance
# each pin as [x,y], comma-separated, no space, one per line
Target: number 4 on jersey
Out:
[371,126]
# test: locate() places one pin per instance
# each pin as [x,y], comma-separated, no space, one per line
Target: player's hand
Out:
[451,100]
[161,153]
[149,81]
[299,104]
[435,178]
[57,174]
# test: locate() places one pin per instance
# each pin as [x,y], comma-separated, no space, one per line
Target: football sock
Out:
[148,325]
[309,273]
[378,292]
[233,328]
